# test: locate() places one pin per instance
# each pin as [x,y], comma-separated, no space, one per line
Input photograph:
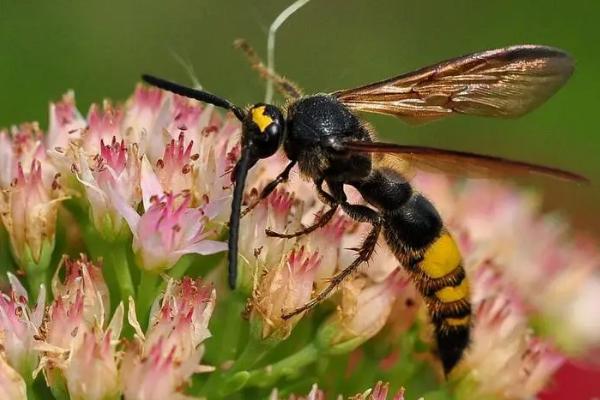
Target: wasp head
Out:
[264,128]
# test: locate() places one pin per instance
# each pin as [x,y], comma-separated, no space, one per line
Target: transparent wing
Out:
[506,82]
[456,162]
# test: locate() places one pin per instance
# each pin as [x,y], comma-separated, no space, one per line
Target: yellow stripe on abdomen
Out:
[450,294]
[439,275]
[441,258]
[455,322]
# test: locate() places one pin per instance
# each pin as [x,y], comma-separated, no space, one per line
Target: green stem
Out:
[178,270]
[120,265]
[181,267]
[226,382]
[254,351]
[287,367]
[7,262]
[31,393]
[35,277]
[36,271]
[145,296]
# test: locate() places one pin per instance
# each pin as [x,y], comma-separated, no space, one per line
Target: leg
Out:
[285,87]
[364,254]
[321,221]
[268,189]
[359,213]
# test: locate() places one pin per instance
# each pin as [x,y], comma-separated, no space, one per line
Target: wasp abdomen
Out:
[415,233]
[440,277]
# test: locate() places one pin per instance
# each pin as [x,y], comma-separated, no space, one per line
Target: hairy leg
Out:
[268,189]
[359,213]
[364,254]
[320,222]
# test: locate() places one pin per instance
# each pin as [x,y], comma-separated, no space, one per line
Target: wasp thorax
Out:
[263,129]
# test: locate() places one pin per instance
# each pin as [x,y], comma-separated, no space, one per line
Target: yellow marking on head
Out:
[441,258]
[260,118]
[458,321]
[453,293]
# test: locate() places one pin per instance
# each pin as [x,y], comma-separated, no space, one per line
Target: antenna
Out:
[200,95]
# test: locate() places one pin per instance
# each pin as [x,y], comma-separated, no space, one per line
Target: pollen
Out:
[260,118]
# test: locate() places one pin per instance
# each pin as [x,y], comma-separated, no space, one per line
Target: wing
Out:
[458,162]
[505,82]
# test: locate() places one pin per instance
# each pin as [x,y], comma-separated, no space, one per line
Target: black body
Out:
[317,128]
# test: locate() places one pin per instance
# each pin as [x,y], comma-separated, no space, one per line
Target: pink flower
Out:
[113,172]
[328,242]
[20,328]
[175,170]
[183,316]
[65,316]
[380,392]
[83,276]
[6,159]
[66,124]
[167,231]
[12,385]
[257,250]
[503,360]
[203,169]
[156,375]
[91,371]
[274,213]
[282,288]
[79,344]
[363,311]
[314,394]
[143,111]
[175,115]
[102,126]
[218,151]
[25,143]
[159,364]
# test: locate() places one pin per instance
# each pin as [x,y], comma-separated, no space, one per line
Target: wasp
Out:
[332,146]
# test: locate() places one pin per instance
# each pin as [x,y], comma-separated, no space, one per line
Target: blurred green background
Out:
[100,48]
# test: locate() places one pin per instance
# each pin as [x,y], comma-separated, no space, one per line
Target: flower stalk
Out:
[146,293]
[285,368]
[120,265]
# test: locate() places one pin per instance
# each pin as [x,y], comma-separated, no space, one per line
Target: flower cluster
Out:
[143,191]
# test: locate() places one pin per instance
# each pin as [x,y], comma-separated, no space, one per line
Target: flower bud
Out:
[20,328]
[29,209]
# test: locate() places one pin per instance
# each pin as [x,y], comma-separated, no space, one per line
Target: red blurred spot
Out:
[574,382]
